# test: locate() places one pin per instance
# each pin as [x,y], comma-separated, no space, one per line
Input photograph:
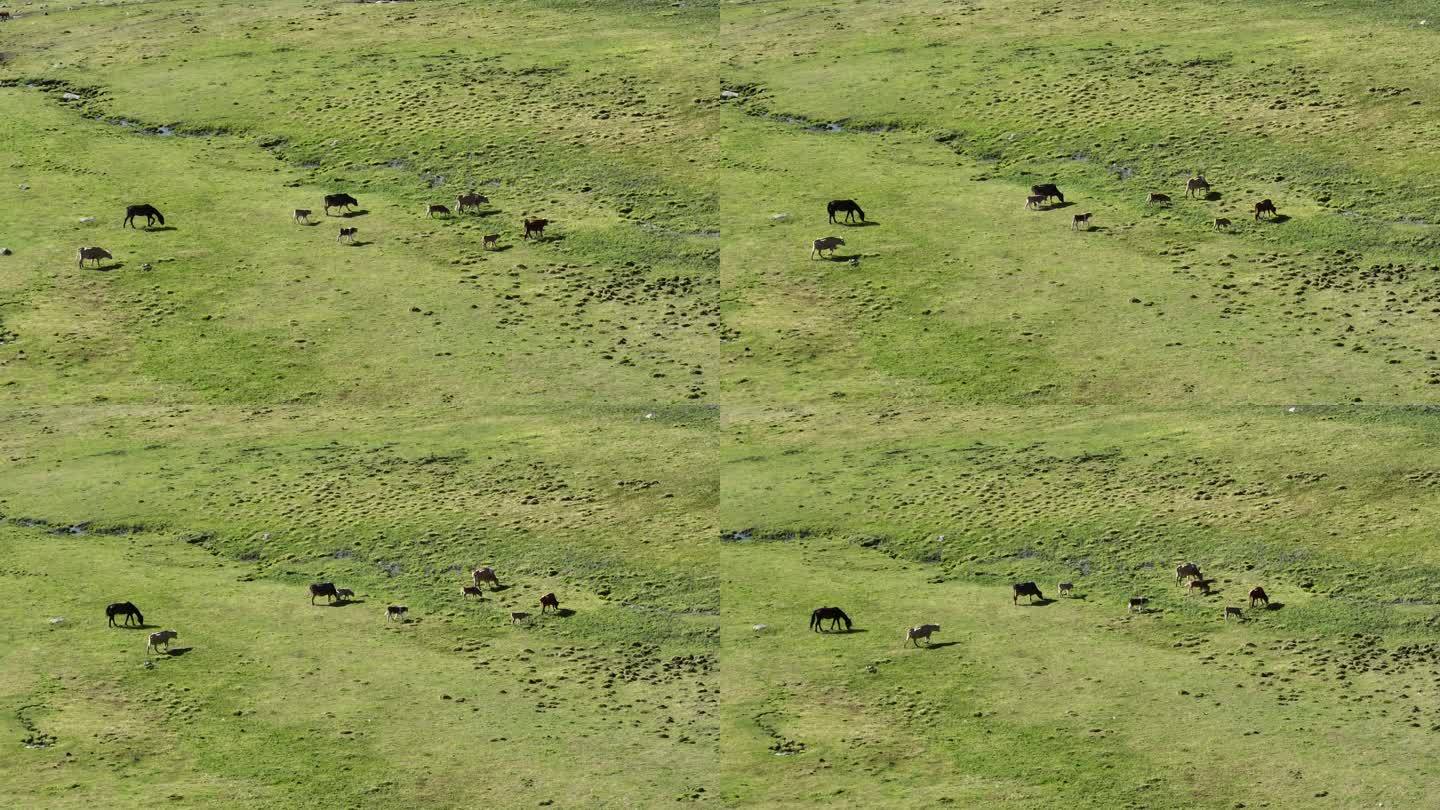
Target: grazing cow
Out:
[1188,569]
[1081,219]
[150,212]
[1029,589]
[1156,197]
[834,614]
[470,200]
[848,207]
[1048,190]
[828,243]
[344,201]
[549,600]
[1138,603]
[4,16]
[1221,223]
[94,254]
[535,226]
[126,609]
[1233,611]
[161,637]
[1264,207]
[486,574]
[396,612]
[1066,588]
[1197,183]
[1035,201]
[432,210]
[325,589]
[344,593]
[492,240]
[1201,585]
[471,590]
[1257,594]
[347,234]
[302,215]
[923,631]
[518,616]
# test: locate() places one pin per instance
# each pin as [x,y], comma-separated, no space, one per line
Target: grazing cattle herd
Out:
[1186,573]
[342,596]
[345,204]
[1040,195]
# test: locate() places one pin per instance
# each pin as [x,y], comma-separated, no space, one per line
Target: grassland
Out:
[972,394]
[238,405]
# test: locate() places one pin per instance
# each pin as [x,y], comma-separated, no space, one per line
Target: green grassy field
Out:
[238,405]
[973,394]
[693,440]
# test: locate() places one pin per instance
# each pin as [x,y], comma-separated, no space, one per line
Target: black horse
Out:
[848,207]
[1049,190]
[125,609]
[834,614]
[339,201]
[325,589]
[1029,589]
[150,212]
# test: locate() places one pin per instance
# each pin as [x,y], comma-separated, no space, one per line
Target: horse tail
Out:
[814,619]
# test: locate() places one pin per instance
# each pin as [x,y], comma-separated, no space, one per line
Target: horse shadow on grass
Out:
[1275,606]
[135,626]
[159,228]
[1279,218]
[1212,196]
[869,223]
[499,249]
[564,613]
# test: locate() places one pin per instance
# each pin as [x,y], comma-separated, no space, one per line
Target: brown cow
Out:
[549,600]
[1233,611]
[432,210]
[1187,570]
[486,574]
[94,254]
[1264,207]
[535,226]
[492,240]
[1257,594]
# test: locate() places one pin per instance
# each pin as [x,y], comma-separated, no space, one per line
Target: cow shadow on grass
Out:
[499,249]
[1057,206]
[358,212]
[1039,603]
[346,603]
[1212,196]
[105,268]
[564,613]
[176,652]
[937,645]
[1094,229]
[1275,606]
[360,243]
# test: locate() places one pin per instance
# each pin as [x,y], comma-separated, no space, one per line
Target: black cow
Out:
[1048,190]
[125,609]
[339,201]
[1029,589]
[325,589]
[150,212]
[847,207]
